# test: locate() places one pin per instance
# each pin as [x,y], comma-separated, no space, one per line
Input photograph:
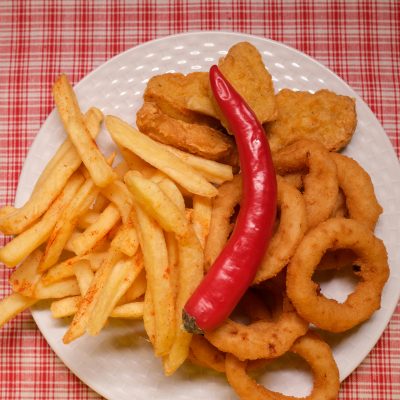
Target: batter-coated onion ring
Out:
[291,229]
[320,183]
[358,190]
[229,195]
[260,339]
[313,350]
[360,203]
[373,270]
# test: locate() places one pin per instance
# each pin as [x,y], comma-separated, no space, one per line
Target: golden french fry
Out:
[100,204]
[84,275]
[129,310]
[87,219]
[93,119]
[85,241]
[135,163]
[57,290]
[65,99]
[66,224]
[65,269]
[155,255]
[157,204]
[136,290]
[121,169]
[190,267]
[201,217]
[155,154]
[12,305]
[19,248]
[80,320]
[120,279]
[101,173]
[41,200]
[126,241]
[213,171]
[172,191]
[24,279]
[68,306]
[65,307]
[149,318]
[119,194]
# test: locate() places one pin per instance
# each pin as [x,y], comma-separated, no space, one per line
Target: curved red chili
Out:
[235,268]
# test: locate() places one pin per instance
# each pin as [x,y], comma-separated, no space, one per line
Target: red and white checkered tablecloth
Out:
[359,40]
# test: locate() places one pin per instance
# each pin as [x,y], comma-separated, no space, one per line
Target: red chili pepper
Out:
[235,268]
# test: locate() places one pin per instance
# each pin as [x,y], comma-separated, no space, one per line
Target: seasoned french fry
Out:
[213,171]
[24,279]
[201,217]
[18,248]
[136,290]
[155,154]
[135,163]
[191,262]
[65,307]
[121,169]
[12,305]
[150,197]
[65,269]
[149,318]
[82,243]
[119,194]
[87,219]
[129,310]
[66,224]
[84,275]
[172,191]
[127,240]
[155,255]
[57,290]
[68,306]
[93,119]
[80,320]
[100,204]
[101,173]
[118,282]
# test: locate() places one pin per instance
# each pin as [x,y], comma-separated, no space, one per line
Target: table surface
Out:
[358,40]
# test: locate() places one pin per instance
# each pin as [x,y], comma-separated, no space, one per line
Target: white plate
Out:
[119,363]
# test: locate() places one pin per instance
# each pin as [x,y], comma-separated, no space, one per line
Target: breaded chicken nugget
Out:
[197,139]
[184,97]
[324,116]
[245,70]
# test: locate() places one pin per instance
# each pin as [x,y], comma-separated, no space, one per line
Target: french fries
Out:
[103,242]
[156,155]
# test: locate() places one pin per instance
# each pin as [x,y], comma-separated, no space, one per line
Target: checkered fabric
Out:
[359,40]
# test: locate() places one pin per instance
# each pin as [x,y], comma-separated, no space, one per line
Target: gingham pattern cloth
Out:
[358,40]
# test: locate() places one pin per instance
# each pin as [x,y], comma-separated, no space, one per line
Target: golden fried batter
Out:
[197,139]
[324,116]
[245,70]
[185,97]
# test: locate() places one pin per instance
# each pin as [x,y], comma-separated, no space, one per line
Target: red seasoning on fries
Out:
[235,268]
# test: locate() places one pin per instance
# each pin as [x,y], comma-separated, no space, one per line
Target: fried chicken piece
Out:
[196,139]
[324,116]
[184,97]
[245,70]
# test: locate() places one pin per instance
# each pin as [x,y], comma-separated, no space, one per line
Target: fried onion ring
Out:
[313,350]
[373,270]
[356,184]
[229,195]
[360,204]
[291,229]
[260,339]
[320,183]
